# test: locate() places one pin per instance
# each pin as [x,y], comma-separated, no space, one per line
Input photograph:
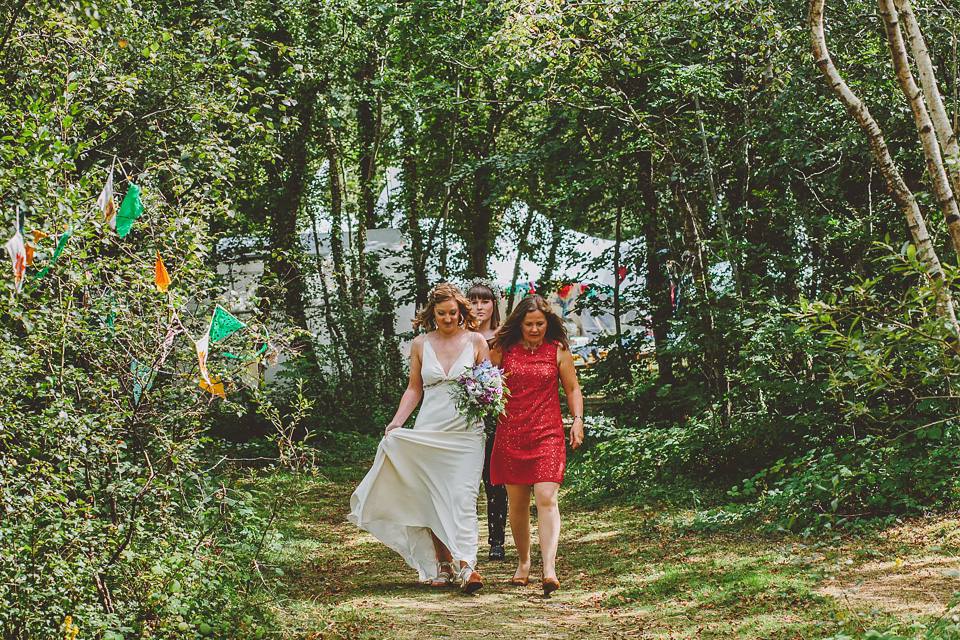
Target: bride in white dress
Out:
[420,496]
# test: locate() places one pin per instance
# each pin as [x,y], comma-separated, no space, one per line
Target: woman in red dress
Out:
[529,450]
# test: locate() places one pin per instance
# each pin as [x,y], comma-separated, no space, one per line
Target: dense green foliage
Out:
[803,373]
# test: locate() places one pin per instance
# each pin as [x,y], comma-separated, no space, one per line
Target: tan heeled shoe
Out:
[549,586]
[470,580]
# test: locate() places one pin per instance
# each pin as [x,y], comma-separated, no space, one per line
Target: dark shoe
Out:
[549,586]
[496,552]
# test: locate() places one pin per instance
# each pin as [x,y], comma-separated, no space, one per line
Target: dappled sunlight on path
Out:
[624,574]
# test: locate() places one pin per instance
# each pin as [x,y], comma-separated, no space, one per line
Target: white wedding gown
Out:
[426,478]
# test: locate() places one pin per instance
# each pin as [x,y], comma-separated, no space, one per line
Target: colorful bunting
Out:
[223,324]
[130,210]
[56,254]
[18,256]
[162,279]
[167,344]
[215,387]
[203,350]
[143,377]
[38,235]
[105,201]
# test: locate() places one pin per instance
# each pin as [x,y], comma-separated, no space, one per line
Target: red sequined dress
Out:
[529,445]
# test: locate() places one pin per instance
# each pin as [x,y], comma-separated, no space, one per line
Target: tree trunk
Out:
[285,257]
[657,286]
[551,264]
[946,133]
[693,240]
[410,195]
[732,256]
[624,365]
[925,130]
[522,248]
[899,191]
[336,211]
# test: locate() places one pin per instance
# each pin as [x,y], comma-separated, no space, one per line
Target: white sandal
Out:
[444,575]
[470,580]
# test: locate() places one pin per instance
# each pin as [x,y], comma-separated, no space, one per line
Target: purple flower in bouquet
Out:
[480,392]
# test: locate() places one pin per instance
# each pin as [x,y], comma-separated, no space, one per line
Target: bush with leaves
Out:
[114,524]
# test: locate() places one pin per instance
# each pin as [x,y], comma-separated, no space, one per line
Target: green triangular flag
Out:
[56,254]
[223,324]
[143,377]
[130,210]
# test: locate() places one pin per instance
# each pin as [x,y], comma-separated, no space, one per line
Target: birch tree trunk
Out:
[899,190]
[925,129]
[931,93]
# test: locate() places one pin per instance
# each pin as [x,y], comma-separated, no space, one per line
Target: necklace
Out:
[533,348]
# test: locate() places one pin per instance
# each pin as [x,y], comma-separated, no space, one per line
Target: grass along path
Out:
[625,573]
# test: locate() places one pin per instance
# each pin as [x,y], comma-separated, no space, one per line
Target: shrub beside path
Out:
[625,573]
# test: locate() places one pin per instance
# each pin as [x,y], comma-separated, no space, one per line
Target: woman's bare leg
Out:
[548,524]
[518,499]
[443,554]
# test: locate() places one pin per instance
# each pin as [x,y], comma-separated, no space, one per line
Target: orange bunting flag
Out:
[38,235]
[18,256]
[162,278]
[215,387]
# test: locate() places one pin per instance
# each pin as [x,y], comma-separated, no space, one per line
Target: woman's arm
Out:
[571,386]
[411,397]
[481,351]
[496,357]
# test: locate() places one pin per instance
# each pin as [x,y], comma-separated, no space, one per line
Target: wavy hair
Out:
[441,293]
[512,330]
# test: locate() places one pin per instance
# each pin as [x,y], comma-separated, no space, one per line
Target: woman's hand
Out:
[576,432]
[391,427]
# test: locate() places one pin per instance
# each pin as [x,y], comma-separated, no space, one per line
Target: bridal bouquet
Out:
[480,393]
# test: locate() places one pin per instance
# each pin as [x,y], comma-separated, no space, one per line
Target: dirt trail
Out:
[623,573]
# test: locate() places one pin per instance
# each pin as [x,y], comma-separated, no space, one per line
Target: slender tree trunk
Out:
[925,128]
[522,248]
[556,237]
[657,286]
[336,338]
[624,365]
[410,169]
[946,133]
[899,190]
[693,239]
[336,211]
[732,256]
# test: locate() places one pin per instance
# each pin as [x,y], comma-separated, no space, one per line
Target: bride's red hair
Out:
[441,293]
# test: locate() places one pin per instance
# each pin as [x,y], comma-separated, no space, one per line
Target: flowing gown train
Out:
[426,478]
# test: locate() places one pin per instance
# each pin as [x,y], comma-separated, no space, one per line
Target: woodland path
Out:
[625,573]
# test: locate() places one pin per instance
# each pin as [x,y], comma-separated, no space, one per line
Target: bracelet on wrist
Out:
[581,418]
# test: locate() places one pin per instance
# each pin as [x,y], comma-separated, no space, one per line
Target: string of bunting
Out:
[222,323]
